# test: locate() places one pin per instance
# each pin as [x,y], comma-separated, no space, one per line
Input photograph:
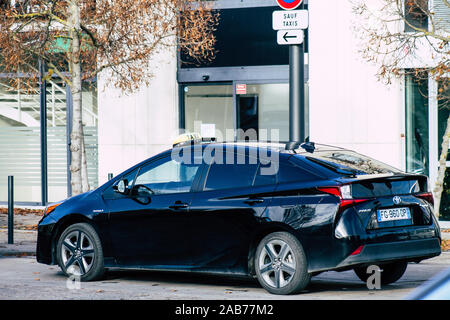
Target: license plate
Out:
[393,214]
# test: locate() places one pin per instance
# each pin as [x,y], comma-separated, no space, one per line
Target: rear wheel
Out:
[280,264]
[390,272]
[79,252]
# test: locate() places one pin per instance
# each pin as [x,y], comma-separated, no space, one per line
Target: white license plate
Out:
[393,214]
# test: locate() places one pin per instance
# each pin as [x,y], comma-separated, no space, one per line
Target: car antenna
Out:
[309,146]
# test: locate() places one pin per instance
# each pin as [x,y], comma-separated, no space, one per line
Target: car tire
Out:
[390,272]
[79,252]
[280,264]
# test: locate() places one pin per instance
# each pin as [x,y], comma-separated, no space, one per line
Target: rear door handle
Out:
[178,205]
[254,201]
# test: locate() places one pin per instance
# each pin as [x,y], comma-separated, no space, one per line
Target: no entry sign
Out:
[241,89]
[289,4]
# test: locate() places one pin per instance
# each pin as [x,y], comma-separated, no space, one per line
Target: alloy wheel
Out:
[77,253]
[277,263]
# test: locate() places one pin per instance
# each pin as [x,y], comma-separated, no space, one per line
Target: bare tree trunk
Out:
[84,171]
[439,187]
[77,129]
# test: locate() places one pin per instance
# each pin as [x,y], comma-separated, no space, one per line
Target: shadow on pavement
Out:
[233,283]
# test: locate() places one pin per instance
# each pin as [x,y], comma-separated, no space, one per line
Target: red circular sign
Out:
[289,4]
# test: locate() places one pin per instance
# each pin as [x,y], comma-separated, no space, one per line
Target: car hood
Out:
[78,197]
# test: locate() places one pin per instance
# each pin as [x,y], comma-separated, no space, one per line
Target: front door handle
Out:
[253,201]
[178,205]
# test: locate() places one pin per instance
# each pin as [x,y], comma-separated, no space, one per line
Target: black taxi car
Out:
[280,213]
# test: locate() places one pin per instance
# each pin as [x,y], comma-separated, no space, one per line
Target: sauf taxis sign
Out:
[285,20]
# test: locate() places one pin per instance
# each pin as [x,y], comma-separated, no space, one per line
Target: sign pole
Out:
[43,116]
[297,118]
[290,24]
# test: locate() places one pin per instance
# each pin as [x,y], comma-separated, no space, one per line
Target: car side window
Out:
[167,175]
[292,172]
[265,177]
[233,175]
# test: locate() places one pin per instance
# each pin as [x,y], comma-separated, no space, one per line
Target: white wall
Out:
[135,127]
[348,106]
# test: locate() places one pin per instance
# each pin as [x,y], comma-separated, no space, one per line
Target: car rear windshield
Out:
[350,163]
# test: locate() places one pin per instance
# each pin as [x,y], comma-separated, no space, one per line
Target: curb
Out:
[19,249]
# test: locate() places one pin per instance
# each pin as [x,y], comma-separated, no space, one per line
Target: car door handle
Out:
[178,206]
[254,201]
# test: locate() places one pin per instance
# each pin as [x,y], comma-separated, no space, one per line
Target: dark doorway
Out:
[247,116]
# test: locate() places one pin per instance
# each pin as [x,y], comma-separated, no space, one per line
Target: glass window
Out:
[167,176]
[265,179]
[443,111]
[209,104]
[264,107]
[415,14]
[244,37]
[417,141]
[349,162]
[20,119]
[225,176]
[291,172]
[443,115]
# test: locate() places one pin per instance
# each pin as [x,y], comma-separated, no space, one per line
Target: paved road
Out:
[24,278]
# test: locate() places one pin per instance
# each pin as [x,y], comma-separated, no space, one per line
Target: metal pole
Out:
[110,176]
[43,109]
[10,209]
[297,118]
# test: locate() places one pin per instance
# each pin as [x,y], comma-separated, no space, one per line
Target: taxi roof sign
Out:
[186,139]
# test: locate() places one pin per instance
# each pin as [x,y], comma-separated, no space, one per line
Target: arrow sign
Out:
[290,37]
[286,37]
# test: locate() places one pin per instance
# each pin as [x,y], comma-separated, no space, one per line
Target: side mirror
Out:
[122,186]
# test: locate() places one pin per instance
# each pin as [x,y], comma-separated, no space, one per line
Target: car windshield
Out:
[350,163]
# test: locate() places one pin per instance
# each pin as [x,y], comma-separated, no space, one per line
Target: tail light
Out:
[357,251]
[344,194]
[427,196]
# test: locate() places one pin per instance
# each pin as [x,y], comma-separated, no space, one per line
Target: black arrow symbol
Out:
[286,37]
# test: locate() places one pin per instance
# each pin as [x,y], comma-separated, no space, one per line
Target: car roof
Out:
[280,147]
[240,146]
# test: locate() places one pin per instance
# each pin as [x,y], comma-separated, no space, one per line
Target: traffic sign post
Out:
[290,24]
[297,114]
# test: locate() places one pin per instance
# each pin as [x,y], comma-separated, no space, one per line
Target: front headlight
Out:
[50,208]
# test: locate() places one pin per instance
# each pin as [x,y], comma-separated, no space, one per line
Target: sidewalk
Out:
[18,249]
[25,231]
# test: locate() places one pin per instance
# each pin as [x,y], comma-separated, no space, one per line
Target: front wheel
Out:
[79,252]
[280,264]
[390,272]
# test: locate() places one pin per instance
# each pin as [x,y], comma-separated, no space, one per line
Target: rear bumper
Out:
[410,250]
